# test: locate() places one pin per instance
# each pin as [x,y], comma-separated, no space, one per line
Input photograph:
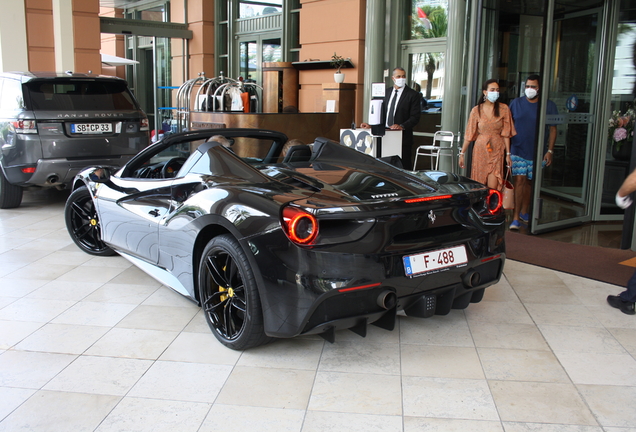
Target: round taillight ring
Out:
[300,226]
[494,201]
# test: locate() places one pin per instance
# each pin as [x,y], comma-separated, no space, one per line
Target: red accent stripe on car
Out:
[422,199]
[359,287]
[491,258]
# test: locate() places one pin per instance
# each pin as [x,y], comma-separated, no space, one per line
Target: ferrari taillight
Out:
[300,226]
[494,202]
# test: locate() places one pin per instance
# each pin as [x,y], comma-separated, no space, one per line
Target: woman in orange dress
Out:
[490,126]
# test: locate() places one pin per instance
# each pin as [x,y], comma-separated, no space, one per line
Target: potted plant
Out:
[337,62]
[621,133]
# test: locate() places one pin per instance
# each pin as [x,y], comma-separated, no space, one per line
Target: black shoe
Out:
[625,306]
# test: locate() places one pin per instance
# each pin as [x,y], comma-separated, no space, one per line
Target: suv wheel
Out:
[10,195]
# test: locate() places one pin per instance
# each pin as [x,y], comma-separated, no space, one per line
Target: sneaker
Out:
[618,303]
[515,225]
[525,217]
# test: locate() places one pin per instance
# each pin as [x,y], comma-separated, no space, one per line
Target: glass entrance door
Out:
[424,62]
[566,193]
[255,50]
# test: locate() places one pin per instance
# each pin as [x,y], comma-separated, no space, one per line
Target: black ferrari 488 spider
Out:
[316,240]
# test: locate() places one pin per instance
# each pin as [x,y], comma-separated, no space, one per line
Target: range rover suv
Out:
[54,124]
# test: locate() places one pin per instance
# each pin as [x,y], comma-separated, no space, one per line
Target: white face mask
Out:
[531,93]
[400,82]
[492,96]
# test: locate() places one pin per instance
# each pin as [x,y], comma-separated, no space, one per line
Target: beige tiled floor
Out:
[93,344]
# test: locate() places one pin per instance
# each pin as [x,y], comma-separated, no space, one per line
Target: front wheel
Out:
[229,296]
[82,223]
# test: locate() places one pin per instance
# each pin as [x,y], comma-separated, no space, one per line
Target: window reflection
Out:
[250,9]
[427,70]
[429,19]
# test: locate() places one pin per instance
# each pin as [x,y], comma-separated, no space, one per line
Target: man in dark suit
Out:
[401,110]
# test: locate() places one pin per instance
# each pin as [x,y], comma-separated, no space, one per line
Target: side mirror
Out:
[100,175]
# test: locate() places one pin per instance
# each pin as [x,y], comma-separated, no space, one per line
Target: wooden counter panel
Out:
[303,126]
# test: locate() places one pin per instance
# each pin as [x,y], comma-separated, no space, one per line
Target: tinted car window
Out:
[70,95]
[11,95]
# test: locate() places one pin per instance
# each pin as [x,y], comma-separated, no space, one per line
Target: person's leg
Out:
[522,170]
[625,300]
[520,186]
[629,294]
[526,194]
[519,174]
[492,183]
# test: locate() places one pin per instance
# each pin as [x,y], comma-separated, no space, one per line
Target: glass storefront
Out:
[151,77]
[620,122]
[423,57]
[565,42]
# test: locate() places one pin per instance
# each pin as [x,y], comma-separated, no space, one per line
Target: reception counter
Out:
[303,126]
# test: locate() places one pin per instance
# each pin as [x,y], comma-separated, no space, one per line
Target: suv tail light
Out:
[144,125]
[301,227]
[25,126]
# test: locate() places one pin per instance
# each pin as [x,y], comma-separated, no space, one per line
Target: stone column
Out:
[13,40]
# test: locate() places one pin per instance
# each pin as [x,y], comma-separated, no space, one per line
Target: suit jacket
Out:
[407,114]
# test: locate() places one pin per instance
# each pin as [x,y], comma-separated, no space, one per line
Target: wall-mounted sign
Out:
[377,90]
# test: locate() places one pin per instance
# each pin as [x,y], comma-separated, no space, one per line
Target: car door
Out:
[131,210]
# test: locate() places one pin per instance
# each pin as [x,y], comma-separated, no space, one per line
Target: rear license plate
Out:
[429,262]
[91,128]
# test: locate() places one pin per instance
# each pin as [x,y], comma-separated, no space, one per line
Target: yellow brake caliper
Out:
[230,291]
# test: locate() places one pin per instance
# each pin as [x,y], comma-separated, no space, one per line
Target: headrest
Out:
[298,153]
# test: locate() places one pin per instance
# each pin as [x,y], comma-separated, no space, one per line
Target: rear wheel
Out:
[10,195]
[229,296]
[82,223]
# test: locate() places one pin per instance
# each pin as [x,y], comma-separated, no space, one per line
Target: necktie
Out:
[392,108]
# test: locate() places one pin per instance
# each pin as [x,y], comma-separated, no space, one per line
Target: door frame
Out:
[590,190]
[258,38]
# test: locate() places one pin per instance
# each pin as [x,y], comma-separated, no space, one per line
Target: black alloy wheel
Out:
[82,223]
[229,296]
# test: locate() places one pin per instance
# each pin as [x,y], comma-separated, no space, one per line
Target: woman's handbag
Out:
[508,193]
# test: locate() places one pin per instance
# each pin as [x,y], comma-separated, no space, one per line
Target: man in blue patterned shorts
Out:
[524,113]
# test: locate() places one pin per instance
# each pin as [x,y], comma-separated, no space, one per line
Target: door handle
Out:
[154,212]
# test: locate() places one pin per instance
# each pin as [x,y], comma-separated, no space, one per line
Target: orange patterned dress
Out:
[490,149]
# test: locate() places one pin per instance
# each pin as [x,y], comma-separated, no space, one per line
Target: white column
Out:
[375,36]
[13,41]
[453,69]
[63,35]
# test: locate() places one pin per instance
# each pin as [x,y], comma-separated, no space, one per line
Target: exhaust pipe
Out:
[53,178]
[387,300]
[471,279]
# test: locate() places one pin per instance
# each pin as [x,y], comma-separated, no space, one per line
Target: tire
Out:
[82,223]
[229,296]
[10,195]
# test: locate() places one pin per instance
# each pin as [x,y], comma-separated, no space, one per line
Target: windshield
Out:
[73,95]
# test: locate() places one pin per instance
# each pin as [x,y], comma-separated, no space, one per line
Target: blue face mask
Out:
[492,96]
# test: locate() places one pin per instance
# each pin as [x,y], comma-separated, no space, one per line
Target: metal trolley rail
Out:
[212,94]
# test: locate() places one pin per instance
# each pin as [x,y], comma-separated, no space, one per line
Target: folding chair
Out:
[437,150]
